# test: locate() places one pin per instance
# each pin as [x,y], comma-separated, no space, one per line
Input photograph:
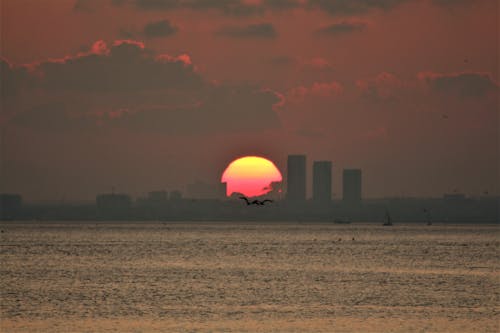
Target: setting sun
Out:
[251,176]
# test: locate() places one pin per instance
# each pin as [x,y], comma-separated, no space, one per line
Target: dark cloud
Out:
[309,133]
[341,28]
[126,34]
[222,108]
[157,4]
[13,79]
[262,30]
[315,66]
[88,6]
[352,7]
[57,116]
[383,87]
[281,4]
[282,60]
[126,66]
[448,3]
[249,8]
[216,109]
[14,82]
[229,7]
[309,67]
[161,28]
[461,84]
[128,86]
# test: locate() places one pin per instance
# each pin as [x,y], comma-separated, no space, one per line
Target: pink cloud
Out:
[317,89]
[129,42]
[99,47]
[326,89]
[184,58]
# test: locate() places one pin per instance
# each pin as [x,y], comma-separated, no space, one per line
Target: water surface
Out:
[254,277]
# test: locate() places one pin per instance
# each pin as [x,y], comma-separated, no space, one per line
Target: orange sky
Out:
[363,85]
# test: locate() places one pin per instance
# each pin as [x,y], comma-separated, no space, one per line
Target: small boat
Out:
[388,219]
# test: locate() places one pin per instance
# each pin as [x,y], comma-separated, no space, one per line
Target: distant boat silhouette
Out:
[388,219]
[256,202]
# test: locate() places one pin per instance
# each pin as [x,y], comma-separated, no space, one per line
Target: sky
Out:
[141,95]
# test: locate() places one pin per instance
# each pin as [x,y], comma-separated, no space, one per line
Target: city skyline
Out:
[310,181]
[312,184]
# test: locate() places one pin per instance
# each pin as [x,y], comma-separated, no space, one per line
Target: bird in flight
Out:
[256,202]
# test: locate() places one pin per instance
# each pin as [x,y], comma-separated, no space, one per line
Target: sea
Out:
[248,277]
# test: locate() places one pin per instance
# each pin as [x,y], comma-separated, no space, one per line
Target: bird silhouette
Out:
[256,202]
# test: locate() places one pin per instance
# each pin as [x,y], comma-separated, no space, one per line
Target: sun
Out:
[251,176]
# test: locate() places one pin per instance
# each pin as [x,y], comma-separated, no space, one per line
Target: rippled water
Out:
[223,277]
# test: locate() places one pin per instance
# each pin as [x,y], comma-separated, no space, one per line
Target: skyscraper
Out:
[351,186]
[322,182]
[296,178]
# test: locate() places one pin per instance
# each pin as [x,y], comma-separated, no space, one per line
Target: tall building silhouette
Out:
[296,178]
[322,182]
[351,186]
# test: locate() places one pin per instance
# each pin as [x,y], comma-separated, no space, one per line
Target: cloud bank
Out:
[126,85]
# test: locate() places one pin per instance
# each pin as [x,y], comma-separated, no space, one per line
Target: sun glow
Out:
[251,176]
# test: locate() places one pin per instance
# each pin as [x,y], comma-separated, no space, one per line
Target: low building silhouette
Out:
[201,190]
[175,195]
[10,206]
[351,187]
[158,197]
[113,206]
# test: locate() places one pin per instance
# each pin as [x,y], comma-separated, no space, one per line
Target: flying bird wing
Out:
[246,200]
